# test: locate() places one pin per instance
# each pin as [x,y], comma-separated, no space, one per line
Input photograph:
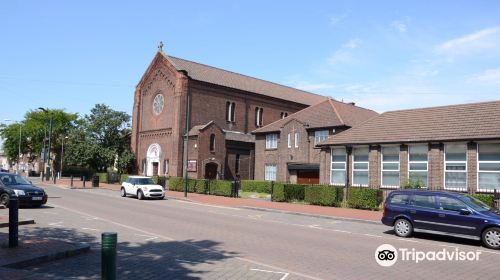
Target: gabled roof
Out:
[217,76]
[329,113]
[444,123]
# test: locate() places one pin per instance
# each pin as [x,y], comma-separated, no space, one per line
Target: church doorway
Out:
[211,171]
[153,160]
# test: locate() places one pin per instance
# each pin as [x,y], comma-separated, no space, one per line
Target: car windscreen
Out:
[475,203]
[144,181]
[12,180]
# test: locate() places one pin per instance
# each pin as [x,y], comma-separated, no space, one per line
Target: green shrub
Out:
[323,195]
[103,177]
[220,187]
[278,192]
[256,186]
[155,179]
[194,185]
[413,184]
[488,199]
[123,178]
[364,198]
[294,192]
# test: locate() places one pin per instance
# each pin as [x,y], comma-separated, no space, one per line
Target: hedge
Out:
[364,198]
[294,192]
[278,193]
[103,177]
[488,199]
[256,186]
[323,195]
[123,178]
[215,187]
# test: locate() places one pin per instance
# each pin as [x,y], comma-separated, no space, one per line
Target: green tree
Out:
[99,139]
[35,134]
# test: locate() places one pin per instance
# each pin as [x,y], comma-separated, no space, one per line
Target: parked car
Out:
[142,187]
[13,185]
[444,213]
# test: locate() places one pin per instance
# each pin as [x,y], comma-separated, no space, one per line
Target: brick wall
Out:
[472,167]
[435,166]
[374,166]
[403,165]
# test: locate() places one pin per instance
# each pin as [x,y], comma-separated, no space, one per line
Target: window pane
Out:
[338,177]
[427,201]
[489,152]
[360,157]
[418,166]
[360,178]
[489,180]
[418,153]
[455,152]
[390,166]
[400,199]
[339,165]
[419,177]
[391,157]
[339,158]
[450,204]
[493,166]
[390,178]
[455,166]
[455,179]
[363,166]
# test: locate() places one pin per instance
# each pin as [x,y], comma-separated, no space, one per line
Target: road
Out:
[175,239]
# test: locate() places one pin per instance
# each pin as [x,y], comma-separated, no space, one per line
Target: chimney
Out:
[351,103]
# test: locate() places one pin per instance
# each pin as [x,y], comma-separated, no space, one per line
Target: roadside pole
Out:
[13,222]
[108,255]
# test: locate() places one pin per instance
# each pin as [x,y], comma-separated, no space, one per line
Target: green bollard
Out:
[108,255]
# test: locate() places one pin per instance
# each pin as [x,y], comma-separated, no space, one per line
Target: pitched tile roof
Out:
[329,113]
[445,123]
[217,76]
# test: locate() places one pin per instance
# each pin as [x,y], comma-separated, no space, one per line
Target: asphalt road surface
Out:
[175,239]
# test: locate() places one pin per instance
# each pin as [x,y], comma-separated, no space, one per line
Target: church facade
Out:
[218,109]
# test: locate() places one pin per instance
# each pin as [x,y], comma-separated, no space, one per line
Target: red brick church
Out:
[218,108]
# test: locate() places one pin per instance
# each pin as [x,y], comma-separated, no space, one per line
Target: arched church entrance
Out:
[153,160]
[211,171]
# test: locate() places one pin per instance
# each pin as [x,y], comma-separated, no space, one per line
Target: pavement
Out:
[179,239]
[257,204]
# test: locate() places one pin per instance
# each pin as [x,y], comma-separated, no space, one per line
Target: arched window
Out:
[258,116]
[212,142]
[230,111]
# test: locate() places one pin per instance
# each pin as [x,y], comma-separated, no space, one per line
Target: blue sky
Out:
[383,55]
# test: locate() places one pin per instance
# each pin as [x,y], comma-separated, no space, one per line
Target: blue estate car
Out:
[444,213]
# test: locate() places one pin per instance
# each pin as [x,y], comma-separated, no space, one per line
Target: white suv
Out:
[142,187]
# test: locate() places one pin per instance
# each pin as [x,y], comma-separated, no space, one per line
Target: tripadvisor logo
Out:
[387,255]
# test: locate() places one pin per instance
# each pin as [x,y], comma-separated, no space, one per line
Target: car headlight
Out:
[19,192]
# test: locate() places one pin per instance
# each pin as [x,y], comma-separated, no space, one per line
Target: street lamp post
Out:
[62,154]
[47,170]
[19,142]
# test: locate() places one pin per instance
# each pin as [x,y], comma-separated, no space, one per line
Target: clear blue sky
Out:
[384,55]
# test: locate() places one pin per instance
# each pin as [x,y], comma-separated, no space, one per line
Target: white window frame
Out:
[270,172]
[318,136]
[484,161]
[367,166]
[426,163]
[296,142]
[338,169]
[456,171]
[389,170]
[289,140]
[271,141]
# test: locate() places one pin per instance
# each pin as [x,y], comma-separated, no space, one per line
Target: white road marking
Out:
[185,261]
[206,204]
[149,237]
[285,274]
[57,224]
[92,229]
[372,235]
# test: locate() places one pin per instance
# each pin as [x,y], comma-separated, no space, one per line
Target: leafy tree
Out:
[99,138]
[35,134]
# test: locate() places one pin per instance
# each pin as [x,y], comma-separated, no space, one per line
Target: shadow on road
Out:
[151,259]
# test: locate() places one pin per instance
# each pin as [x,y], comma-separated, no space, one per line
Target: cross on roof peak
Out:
[160,46]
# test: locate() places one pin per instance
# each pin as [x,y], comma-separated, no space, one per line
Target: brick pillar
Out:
[436,162]
[374,168]
[403,165]
[325,166]
[472,167]
[349,165]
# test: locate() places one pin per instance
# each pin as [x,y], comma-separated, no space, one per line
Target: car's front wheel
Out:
[491,238]
[4,199]
[403,228]
[140,195]
[122,192]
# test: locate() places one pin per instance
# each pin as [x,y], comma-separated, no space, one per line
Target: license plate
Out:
[36,198]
